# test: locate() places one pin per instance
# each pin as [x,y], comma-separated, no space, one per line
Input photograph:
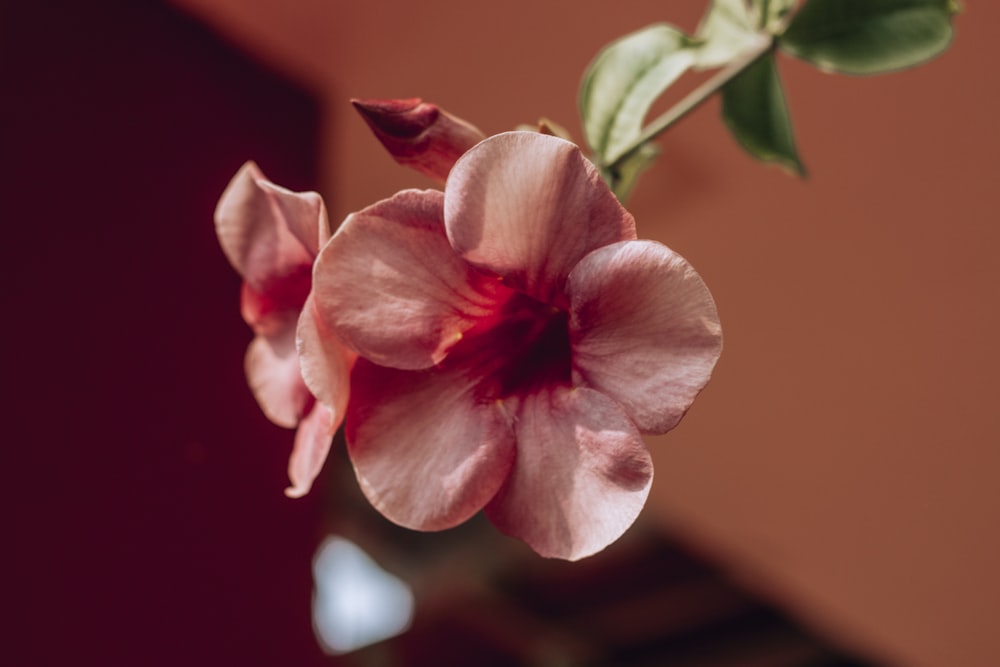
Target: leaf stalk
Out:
[695,98]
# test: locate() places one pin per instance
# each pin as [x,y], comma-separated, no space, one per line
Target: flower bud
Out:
[418,134]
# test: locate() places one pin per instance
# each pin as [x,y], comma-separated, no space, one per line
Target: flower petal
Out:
[266,231]
[645,330]
[389,285]
[312,445]
[271,313]
[302,213]
[427,451]
[325,363]
[528,207]
[581,476]
[272,369]
[418,134]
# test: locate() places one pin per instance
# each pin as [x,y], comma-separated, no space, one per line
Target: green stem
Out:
[693,100]
[765,9]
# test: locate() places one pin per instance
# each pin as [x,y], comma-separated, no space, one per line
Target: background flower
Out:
[271,237]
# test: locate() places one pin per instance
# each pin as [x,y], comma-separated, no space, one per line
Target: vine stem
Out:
[764,12]
[694,99]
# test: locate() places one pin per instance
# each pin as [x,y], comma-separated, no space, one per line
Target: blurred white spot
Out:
[356,602]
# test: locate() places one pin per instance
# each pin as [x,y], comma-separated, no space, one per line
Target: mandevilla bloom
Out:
[515,341]
[418,134]
[271,237]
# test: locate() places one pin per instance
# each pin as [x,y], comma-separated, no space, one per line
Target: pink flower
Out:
[271,237]
[515,341]
[418,134]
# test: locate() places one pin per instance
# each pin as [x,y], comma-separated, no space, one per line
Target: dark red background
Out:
[146,524]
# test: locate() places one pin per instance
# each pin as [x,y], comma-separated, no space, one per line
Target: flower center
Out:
[523,346]
[537,350]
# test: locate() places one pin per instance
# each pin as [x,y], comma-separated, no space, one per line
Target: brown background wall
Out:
[845,456]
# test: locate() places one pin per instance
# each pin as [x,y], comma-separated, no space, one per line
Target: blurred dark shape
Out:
[655,602]
[647,602]
[650,599]
[146,523]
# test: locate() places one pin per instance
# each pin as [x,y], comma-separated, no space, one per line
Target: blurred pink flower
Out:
[515,341]
[418,134]
[271,237]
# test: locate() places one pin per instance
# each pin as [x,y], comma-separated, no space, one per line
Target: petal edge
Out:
[645,330]
[391,288]
[573,501]
[427,453]
[527,207]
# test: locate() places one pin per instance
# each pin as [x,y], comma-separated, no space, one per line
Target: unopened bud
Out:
[418,134]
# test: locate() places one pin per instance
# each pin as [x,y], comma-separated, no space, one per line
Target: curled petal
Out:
[268,233]
[391,288]
[272,369]
[528,207]
[581,476]
[325,363]
[645,330]
[303,213]
[312,445]
[427,451]
[418,134]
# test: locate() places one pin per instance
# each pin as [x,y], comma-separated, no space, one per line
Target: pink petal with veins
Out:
[312,445]
[528,207]
[272,368]
[324,367]
[390,286]
[428,452]
[302,213]
[581,475]
[324,362]
[645,330]
[259,240]
[418,134]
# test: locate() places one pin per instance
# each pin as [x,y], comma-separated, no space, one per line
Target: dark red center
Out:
[522,347]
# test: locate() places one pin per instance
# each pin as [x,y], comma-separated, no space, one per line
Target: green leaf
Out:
[754,109]
[623,177]
[771,14]
[727,31]
[624,80]
[869,36]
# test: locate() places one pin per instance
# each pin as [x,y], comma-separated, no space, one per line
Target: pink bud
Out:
[418,134]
